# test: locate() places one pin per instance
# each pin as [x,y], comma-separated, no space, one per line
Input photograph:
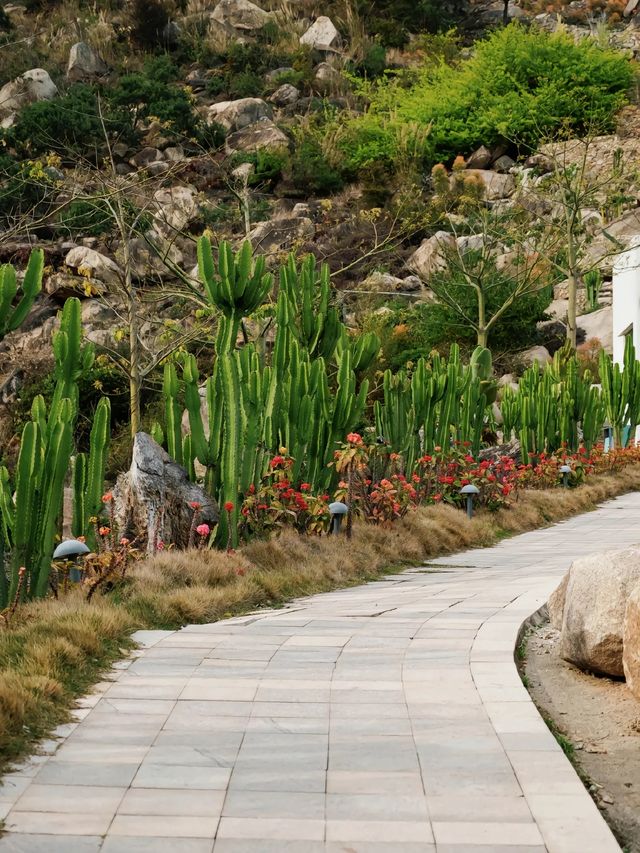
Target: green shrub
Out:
[311,171]
[69,125]
[27,187]
[146,96]
[374,61]
[521,86]
[268,166]
[92,218]
[413,332]
[245,85]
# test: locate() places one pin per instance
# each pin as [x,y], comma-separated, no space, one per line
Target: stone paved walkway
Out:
[387,718]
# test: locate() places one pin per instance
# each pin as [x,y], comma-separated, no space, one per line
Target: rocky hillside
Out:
[405,147]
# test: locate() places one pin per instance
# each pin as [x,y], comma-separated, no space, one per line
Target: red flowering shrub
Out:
[277,503]
[378,490]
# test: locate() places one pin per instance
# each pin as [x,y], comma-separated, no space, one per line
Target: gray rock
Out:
[277,234]
[285,95]
[555,604]
[85,64]
[410,284]
[241,15]
[328,79]
[504,163]
[234,115]
[598,590]
[534,355]
[171,34]
[262,135]
[496,185]
[143,158]
[177,207]
[322,35]
[151,500]
[175,154]
[429,257]
[480,159]
[598,324]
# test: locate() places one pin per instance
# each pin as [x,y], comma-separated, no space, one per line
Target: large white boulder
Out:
[430,256]
[598,324]
[597,593]
[33,85]
[631,642]
[240,14]
[322,35]
[535,355]
[93,264]
[177,206]
[234,115]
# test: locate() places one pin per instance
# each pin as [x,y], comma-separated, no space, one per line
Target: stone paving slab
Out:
[387,718]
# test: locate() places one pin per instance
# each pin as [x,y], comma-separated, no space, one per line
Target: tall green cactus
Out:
[88,474]
[32,518]
[13,316]
[72,356]
[621,392]
[31,506]
[237,287]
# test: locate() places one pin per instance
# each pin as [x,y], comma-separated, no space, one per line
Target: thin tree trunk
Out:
[483,332]
[572,310]
[135,373]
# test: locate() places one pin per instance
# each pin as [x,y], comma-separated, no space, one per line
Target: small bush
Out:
[311,171]
[414,332]
[245,85]
[86,217]
[147,96]
[374,61]
[268,166]
[393,20]
[69,125]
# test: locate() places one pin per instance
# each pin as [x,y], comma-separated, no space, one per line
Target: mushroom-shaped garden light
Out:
[470,491]
[565,470]
[68,551]
[338,511]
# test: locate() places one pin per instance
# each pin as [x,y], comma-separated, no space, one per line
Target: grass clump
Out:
[53,650]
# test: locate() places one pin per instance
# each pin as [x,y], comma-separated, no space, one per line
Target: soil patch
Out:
[598,720]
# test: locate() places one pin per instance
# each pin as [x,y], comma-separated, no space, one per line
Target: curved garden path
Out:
[386,718]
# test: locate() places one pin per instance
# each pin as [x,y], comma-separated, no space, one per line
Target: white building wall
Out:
[626,300]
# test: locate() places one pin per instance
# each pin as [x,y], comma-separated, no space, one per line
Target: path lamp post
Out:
[470,491]
[338,511]
[565,470]
[69,551]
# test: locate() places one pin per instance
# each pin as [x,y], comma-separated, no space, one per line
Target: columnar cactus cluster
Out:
[31,501]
